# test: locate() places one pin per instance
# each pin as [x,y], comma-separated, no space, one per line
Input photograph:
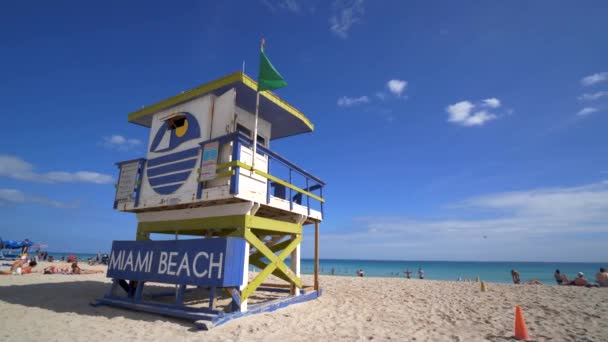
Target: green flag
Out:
[268,77]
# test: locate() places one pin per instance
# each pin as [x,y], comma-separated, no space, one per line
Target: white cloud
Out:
[396,86]
[459,111]
[345,101]
[478,119]
[17,168]
[381,95]
[11,196]
[347,13]
[17,197]
[594,78]
[593,96]
[463,113]
[515,223]
[586,111]
[491,102]
[120,142]
[293,6]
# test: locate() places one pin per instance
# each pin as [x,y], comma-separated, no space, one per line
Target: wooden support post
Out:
[179,294]
[139,291]
[295,267]
[212,292]
[242,305]
[316,256]
[113,289]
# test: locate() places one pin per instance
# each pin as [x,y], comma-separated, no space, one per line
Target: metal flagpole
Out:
[255,127]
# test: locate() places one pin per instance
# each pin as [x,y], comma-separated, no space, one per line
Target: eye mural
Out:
[170,171]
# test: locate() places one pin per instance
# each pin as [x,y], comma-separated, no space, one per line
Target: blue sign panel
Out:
[216,262]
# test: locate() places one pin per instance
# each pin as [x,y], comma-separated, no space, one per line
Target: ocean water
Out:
[495,272]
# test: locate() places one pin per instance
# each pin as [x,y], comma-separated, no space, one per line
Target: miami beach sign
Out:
[202,262]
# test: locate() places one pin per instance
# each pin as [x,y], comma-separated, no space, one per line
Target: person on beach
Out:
[56,270]
[420,273]
[580,280]
[18,263]
[602,277]
[408,273]
[78,270]
[26,246]
[20,269]
[515,276]
[360,272]
[560,278]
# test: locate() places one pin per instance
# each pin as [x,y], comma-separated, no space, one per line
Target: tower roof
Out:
[284,118]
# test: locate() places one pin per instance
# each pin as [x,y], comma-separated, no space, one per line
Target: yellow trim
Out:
[213,85]
[273,178]
[219,175]
[274,263]
[248,81]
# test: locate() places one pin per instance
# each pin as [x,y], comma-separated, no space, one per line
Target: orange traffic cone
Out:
[521,331]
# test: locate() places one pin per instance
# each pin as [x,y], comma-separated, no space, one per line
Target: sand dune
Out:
[56,308]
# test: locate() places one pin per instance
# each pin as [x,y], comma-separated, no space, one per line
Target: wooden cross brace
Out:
[275,263]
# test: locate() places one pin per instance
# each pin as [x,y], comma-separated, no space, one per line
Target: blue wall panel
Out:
[202,262]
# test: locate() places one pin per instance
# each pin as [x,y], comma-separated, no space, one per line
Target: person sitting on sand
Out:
[580,280]
[560,278]
[78,270]
[20,269]
[602,277]
[515,276]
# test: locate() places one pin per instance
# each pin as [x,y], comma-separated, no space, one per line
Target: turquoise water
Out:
[496,272]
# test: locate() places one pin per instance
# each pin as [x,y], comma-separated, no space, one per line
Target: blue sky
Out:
[437,122]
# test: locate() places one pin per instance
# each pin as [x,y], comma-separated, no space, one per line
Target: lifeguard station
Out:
[199,179]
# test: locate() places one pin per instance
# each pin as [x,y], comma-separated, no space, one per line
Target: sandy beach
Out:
[56,308]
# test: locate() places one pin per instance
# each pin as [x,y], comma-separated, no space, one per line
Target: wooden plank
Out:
[283,286]
[259,264]
[267,307]
[317,256]
[270,225]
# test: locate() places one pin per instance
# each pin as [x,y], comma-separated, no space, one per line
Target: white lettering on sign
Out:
[143,264]
[128,262]
[171,263]
[217,265]
[184,265]
[116,260]
[162,262]
[202,265]
[198,255]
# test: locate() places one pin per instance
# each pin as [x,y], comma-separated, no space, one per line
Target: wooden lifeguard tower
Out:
[199,179]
